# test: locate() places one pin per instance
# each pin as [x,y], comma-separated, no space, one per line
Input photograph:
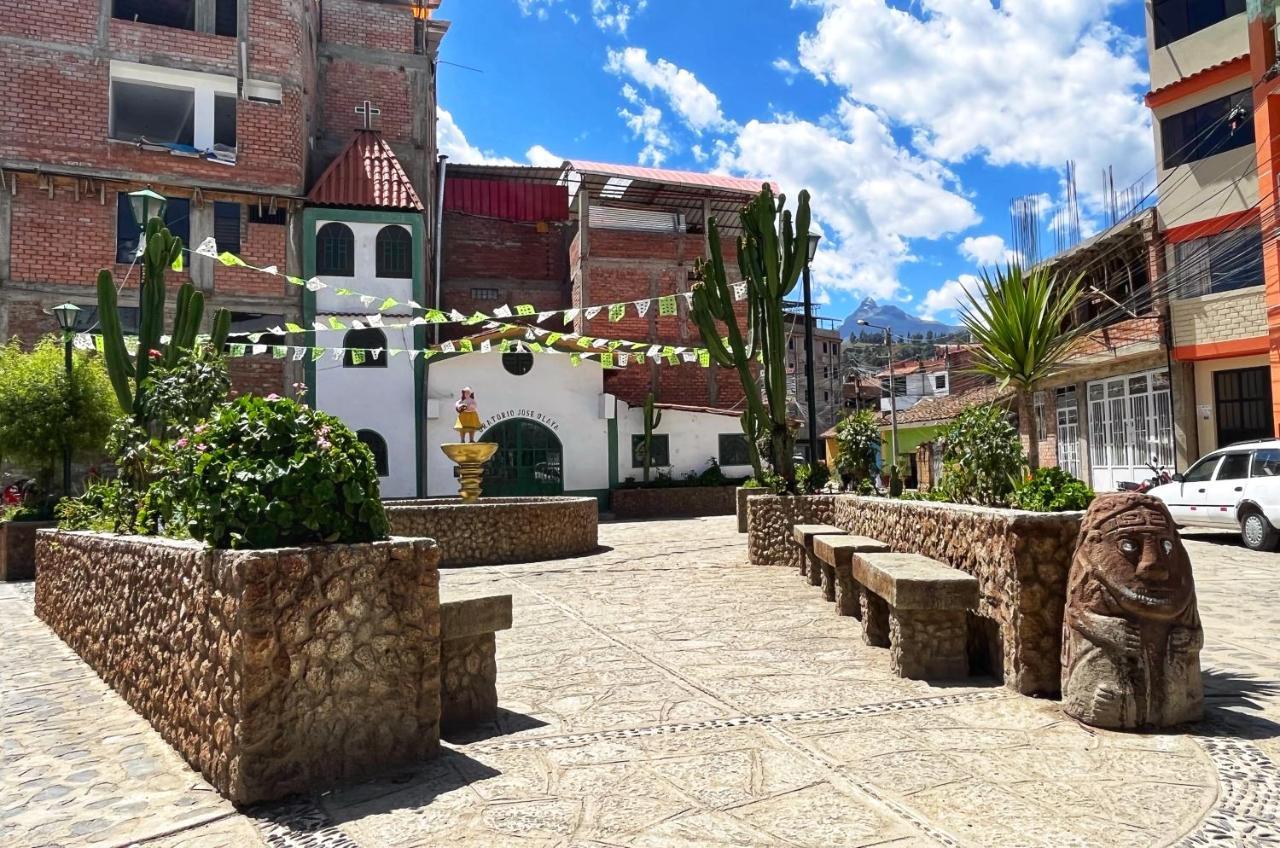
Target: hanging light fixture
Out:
[146,204]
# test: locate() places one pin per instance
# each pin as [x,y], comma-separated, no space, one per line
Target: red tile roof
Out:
[938,409]
[1198,81]
[366,174]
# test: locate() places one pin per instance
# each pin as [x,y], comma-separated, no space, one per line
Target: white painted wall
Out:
[364,280]
[693,439]
[571,401]
[378,399]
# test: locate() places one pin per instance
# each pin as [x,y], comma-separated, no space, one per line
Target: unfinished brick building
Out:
[229,109]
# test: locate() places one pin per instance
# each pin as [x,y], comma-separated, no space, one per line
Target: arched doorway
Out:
[529,460]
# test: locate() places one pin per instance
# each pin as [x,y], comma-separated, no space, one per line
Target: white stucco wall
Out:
[371,398]
[693,438]
[570,401]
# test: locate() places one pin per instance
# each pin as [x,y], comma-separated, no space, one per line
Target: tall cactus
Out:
[652,418]
[160,251]
[771,258]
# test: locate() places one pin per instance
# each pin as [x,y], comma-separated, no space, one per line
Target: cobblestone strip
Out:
[1248,804]
[298,823]
[576,739]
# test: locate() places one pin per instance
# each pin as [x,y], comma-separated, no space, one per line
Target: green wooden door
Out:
[528,460]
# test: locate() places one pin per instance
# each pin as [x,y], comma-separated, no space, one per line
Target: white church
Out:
[559,431]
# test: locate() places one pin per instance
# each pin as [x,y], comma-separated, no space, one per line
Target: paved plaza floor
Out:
[664,693]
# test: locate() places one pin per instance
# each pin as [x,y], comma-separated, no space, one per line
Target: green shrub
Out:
[41,412]
[268,472]
[1051,490]
[106,507]
[811,478]
[857,443]
[982,457]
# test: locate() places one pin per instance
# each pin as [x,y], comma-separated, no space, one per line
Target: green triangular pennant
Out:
[525,309]
[667,305]
[617,311]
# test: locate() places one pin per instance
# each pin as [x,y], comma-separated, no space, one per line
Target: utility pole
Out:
[893,402]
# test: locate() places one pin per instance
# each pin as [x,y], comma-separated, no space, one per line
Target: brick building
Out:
[228,109]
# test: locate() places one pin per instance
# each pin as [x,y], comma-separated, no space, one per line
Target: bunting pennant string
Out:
[667,303]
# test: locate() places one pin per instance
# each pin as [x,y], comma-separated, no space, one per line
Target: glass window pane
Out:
[152,113]
[226,226]
[224,120]
[1266,463]
[1202,470]
[1235,466]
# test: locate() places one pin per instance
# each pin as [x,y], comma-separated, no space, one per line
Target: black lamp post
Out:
[810,394]
[66,315]
[893,403]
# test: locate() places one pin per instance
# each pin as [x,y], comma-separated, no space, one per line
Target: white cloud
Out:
[615,15]
[987,251]
[1025,82]
[870,196]
[696,104]
[453,143]
[787,68]
[539,9]
[646,124]
[948,297]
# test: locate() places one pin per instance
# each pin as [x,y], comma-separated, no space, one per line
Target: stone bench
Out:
[803,535]
[468,658]
[835,555]
[917,607]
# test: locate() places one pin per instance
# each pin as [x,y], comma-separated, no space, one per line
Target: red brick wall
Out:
[363,24]
[258,375]
[348,84]
[37,19]
[58,114]
[261,245]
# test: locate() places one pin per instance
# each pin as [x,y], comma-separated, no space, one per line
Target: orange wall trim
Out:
[1211,226]
[1221,350]
[1210,76]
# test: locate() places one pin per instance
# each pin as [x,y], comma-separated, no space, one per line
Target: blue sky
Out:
[912,124]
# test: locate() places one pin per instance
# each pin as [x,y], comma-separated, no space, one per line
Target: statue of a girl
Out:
[468,423]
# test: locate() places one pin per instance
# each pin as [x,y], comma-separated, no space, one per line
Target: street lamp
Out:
[145,205]
[66,315]
[893,403]
[810,394]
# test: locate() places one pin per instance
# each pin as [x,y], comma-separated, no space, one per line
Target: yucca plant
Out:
[1020,321]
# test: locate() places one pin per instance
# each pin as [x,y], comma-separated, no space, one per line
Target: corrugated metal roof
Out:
[366,174]
[510,201]
[664,175]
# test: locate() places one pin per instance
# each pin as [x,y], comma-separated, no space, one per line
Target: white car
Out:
[1236,487]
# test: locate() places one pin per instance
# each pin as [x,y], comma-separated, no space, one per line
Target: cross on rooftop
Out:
[367,111]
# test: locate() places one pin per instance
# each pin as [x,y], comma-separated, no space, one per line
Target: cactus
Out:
[129,378]
[752,430]
[770,257]
[652,418]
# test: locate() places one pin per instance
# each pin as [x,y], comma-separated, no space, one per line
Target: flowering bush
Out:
[267,472]
[1051,490]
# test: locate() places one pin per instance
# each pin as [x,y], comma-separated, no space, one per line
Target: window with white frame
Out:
[172,108]
[1068,413]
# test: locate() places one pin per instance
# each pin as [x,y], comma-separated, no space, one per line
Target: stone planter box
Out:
[1021,561]
[270,671]
[769,522]
[18,548]
[497,530]
[673,502]
[740,496]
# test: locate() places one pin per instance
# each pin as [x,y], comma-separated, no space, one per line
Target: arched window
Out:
[395,252]
[378,447]
[517,362]
[369,339]
[335,251]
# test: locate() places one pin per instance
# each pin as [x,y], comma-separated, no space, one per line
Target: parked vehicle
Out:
[1236,487]
[1160,476]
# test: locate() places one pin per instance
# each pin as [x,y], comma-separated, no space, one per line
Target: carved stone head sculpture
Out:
[1131,633]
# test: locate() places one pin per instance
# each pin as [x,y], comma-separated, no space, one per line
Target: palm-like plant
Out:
[1020,321]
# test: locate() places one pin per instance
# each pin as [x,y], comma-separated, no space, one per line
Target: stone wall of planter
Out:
[673,502]
[270,671]
[1021,560]
[497,530]
[18,548]
[740,495]
[769,522]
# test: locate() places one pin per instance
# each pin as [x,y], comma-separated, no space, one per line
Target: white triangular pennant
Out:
[570,314]
[448,347]
[591,312]
[543,316]
[503,311]
[366,299]
[208,247]
[314,284]
[486,346]
[642,307]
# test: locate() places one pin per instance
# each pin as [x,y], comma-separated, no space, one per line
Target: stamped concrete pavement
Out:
[663,693]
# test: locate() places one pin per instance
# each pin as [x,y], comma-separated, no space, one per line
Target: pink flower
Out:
[273,396]
[154,354]
[323,444]
[182,443]
[200,428]
[202,447]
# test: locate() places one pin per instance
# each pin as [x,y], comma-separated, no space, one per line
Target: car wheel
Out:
[1257,533]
